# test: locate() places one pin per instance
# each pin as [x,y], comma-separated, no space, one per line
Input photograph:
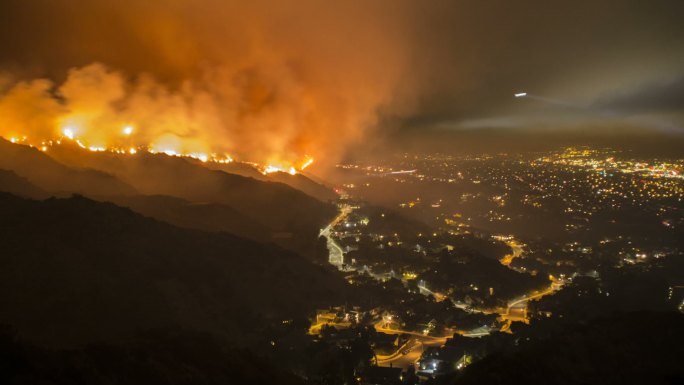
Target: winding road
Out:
[336,254]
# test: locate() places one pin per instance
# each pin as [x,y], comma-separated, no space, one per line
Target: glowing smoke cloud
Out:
[225,79]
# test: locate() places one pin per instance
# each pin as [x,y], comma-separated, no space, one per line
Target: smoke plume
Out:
[263,81]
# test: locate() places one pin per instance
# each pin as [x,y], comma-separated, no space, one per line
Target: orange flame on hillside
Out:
[69,134]
[100,110]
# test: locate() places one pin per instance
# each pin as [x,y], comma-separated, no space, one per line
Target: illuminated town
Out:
[493,197]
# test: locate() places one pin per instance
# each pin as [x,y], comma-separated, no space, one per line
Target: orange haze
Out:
[265,82]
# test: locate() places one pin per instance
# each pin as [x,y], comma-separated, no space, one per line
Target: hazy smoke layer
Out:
[262,81]
[274,81]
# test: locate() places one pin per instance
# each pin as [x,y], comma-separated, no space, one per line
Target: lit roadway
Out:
[409,353]
[336,257]
[406,355]
[520,305]
[316,328]
[439,297]
[517,251]
[517,309]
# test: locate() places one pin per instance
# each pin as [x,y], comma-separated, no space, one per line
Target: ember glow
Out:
[68,132]
[100,112]
[69,135]
[216,79]
[307,163]
[97,114]
[271,169]
[128,130]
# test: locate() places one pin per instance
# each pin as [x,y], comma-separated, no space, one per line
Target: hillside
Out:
[305,184]
[626,348]
[12,183]
[162,357]
[293,218]
[298,181]
[212,217]
[74,271]
[54,177]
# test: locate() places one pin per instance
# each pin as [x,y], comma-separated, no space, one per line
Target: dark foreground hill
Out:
[54,177]
[625,348]
[64,181]
[12,183]
[156,358]
[211,217]
[76,271]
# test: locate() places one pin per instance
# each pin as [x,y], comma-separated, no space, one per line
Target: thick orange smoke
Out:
[270,83]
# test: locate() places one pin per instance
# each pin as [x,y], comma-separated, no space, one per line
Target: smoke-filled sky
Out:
[276,81]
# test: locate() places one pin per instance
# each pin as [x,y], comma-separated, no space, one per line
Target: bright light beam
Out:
[555,102]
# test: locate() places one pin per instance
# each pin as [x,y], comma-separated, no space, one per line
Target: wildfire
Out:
[272,168]
[68,132]
[128,130]
[165,146]
[307,163]
[292,170]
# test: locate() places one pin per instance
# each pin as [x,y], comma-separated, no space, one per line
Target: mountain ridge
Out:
[79,271]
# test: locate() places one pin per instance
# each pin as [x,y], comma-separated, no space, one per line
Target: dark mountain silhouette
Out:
[12,183]
[239,168]
[77,271]
[54,177]
[212,217]
[181,212]
[303,183]
[298,181]
[293,218]
[154,358]
[625,348]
